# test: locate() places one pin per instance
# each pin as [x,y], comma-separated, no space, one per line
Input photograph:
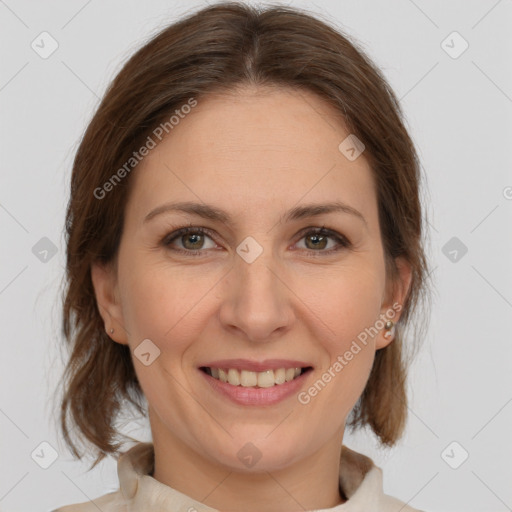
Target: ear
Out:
[104,281]
[397,291]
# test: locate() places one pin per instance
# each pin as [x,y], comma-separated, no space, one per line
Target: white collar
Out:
[360,480]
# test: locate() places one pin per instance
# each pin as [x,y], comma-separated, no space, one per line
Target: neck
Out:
[309,484]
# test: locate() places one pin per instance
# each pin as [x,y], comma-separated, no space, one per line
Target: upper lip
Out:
[256,366]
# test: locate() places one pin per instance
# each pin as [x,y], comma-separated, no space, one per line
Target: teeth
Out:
[266,379]
[280,376]
[290,374]
[233,377]
[247,379]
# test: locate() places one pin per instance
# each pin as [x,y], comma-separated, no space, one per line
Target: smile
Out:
[255,383]
[251,379]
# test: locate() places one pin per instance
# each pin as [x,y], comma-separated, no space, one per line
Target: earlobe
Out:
[104,283]
[393,307]
[386,336]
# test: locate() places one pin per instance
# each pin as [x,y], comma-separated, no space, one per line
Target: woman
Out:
[244,254]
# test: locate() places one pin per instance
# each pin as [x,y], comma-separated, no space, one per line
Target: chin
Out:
[254,453]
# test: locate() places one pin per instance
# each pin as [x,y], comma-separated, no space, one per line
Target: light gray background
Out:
[459,112]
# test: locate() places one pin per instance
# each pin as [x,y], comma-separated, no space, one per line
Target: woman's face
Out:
[259,290]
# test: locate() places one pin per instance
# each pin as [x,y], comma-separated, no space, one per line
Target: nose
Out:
[257,303]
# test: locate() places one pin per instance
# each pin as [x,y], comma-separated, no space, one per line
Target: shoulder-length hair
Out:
[217,49]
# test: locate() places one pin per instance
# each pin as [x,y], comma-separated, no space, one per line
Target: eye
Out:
[191,240]
[317,239]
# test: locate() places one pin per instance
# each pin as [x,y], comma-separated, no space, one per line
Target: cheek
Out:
[347,300]
[164,303]
[349,309]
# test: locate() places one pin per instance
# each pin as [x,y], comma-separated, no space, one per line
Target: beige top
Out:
[360,482]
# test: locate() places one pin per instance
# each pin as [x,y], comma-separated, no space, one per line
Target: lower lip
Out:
[257,396]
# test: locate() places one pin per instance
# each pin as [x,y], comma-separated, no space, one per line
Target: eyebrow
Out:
[216,214]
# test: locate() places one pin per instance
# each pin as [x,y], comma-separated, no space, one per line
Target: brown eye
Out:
[193,241]
[190,240]
[317,240]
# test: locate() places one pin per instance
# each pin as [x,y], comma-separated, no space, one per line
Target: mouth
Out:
[245,378]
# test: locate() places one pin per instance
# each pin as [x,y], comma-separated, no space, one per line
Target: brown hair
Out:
[217,49]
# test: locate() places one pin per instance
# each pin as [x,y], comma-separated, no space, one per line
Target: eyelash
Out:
[343,242]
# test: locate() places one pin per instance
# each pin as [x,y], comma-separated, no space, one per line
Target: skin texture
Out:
[255,153]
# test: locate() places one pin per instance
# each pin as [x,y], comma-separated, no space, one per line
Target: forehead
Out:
[256,150]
